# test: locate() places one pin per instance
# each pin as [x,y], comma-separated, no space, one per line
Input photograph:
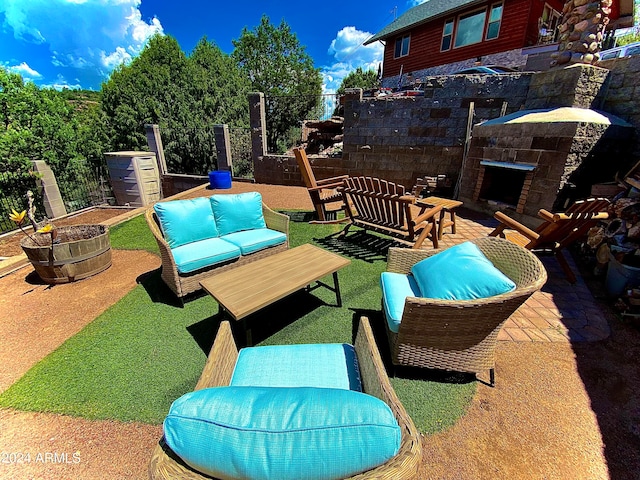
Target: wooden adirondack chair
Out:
[558,231]
[322,192]
[381,206]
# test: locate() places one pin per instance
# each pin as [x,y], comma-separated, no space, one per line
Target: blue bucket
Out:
[620,277]
[220,179]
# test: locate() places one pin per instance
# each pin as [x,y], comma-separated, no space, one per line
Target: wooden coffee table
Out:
[250,287]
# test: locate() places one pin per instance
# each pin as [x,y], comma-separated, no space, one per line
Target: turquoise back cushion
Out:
[324,365]
[461,272]
[281,433]
[186,221]
[237,212]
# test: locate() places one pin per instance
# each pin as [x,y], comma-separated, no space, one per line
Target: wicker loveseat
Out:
[205,234]
[459,335]
[219,372]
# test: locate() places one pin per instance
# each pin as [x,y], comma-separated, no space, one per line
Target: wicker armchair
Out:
[182,284]
[218,371]
[461,335]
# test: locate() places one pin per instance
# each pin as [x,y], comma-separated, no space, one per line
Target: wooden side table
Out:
[448,206]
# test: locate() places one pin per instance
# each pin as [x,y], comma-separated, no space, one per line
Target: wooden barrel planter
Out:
[78,252]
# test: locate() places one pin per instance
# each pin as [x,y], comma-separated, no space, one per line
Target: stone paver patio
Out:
[560,312]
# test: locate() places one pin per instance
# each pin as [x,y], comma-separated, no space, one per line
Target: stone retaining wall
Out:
[622,97]
[403,138]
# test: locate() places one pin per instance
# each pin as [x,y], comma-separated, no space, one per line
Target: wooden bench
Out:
[383,207]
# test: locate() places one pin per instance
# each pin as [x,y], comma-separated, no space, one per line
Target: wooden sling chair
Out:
[381,206]
[322,192]
[558,231]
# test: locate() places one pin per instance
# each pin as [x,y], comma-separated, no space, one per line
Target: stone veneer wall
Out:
[513,58]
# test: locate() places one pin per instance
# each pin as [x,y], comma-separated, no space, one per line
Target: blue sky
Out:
[77,43]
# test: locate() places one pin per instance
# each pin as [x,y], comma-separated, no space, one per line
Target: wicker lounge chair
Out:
[461,335]
[218,370]
[182,284]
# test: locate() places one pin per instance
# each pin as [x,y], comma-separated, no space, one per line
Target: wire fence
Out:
[240,140]
[83,187]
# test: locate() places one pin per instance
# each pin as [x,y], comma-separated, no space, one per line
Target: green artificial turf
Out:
[145,351]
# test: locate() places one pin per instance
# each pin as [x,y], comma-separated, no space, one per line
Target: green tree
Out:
[359,79]
[277,65]
[44,124]
[628,38]
[184,95]
[148,90]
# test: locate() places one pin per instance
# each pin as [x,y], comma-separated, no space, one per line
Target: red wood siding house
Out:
[495,26]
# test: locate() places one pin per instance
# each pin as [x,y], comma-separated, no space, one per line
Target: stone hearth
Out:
[547,158]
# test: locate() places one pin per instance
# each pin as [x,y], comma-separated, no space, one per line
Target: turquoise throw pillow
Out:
[186,221]
[237,212]
[324,365]
[461,272]
[281,433]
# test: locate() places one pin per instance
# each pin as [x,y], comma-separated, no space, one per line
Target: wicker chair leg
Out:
[492,377]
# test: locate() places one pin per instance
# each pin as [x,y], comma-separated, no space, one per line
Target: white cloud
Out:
[413,3]
[25,70]
[116,58]
[349,53]
[83,34]
[61,83]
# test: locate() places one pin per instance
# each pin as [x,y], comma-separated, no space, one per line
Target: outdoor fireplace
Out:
[537,159]
[504,182]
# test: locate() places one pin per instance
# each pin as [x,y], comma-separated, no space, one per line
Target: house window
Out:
[402,46]
[548,24]
[470,28]
[495,18]
[447,35]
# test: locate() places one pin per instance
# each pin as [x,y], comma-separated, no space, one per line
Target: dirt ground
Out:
[558,411]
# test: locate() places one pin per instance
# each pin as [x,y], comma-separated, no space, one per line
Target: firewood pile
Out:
[323,135]
[617,239]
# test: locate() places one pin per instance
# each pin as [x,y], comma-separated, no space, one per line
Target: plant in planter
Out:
[64,254]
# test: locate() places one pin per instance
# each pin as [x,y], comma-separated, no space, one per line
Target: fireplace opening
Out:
[503,183]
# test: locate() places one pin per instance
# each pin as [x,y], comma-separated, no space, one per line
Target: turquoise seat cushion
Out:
[250,241]
[237,212]
[396,287]
[281,433]
[205,253]
[461,272]
[186,221]
[316,365]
